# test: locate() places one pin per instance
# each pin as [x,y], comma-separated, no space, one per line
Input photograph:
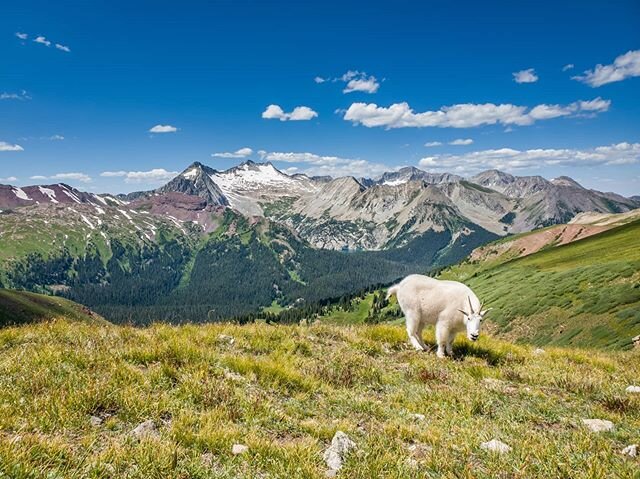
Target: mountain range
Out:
[212,244]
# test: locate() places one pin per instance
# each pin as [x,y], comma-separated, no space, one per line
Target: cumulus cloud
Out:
[22,36]
[8,179]
[430,144]
[355,81]
[321,165]
[156,175]
[299,113]
[568,66]
[465,115]
[4,146]
[22,95]
[42,40]
[241,153]
[510,159]
[461,142]
[82,177]
[163,129]
[525,76]
[623,67]
[63,48]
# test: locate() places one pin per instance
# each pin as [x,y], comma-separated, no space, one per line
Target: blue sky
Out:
[420,72]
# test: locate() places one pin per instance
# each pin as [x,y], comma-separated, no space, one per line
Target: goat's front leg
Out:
[442,338]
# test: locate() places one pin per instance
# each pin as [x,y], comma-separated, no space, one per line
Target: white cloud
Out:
[42,40]
[54,138]
[355,81]
[568,66]
[22,36]
[156,175]
[510,159]
[623,67]
[465,115]
[365,84]
[299,113]
[4,146]
[15,96]
[335,166]
[163,129]
[82,177]
[433,143]
[461,142]
[8,179]
[241,153]
[525,76]
[63,48]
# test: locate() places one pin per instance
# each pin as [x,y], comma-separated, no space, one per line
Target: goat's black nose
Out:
[475,336]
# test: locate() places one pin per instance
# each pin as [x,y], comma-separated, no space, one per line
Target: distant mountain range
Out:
[214,243]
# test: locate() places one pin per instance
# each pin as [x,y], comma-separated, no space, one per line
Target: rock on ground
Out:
[95,421]
[598,425]
[239,449]
[633,389]
[538,351]
[145,429]
[418,417]
[496,446]
[226,338]
[631,450]
[335,454]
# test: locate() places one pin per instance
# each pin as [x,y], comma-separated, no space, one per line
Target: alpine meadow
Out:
[276,240]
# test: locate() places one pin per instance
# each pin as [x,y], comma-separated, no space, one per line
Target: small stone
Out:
[95,421]
[239,449]
[633,389]
[233,376]
[412,463]
[496,446]
[145,429]
[207,459]
[419,450]
[418,417]
[226,338]
[335,454]
[598,425]
[631,450]
[538,351]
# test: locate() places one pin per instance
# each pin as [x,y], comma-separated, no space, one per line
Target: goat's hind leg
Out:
[415,332]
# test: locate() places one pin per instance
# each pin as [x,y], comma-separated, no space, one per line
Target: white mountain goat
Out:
[451,306]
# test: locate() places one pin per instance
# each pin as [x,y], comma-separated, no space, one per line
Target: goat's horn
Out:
[470,306]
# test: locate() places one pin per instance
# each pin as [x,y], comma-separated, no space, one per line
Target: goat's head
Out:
[473,319]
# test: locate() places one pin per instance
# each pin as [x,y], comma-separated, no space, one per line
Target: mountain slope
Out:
[21,307]
[585,293]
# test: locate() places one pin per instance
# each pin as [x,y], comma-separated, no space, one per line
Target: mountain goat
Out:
[451,306]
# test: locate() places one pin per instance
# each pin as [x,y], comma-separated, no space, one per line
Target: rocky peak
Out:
[566,181]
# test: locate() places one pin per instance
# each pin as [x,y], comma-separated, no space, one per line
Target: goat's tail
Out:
[392,291]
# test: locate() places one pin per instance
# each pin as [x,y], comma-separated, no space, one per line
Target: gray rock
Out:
[538,351]
[95,421]
[419,451]
[598,425]
[239,449]
[145,429]
[633,389]
[226,338]
[496,446]
[335,454]
[630,451]
[418,417]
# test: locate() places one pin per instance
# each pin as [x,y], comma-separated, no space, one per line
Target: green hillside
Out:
[585,293]
[72,393]
[20,307]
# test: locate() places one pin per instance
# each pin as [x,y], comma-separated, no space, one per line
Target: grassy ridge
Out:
[20,307]
[585,293]
[285,390]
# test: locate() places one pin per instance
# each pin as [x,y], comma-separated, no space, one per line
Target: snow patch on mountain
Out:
[19,192]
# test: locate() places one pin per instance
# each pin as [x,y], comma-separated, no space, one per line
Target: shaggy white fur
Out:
[449,305]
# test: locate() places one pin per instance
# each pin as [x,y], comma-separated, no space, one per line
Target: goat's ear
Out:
[464,312]
[482,313]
